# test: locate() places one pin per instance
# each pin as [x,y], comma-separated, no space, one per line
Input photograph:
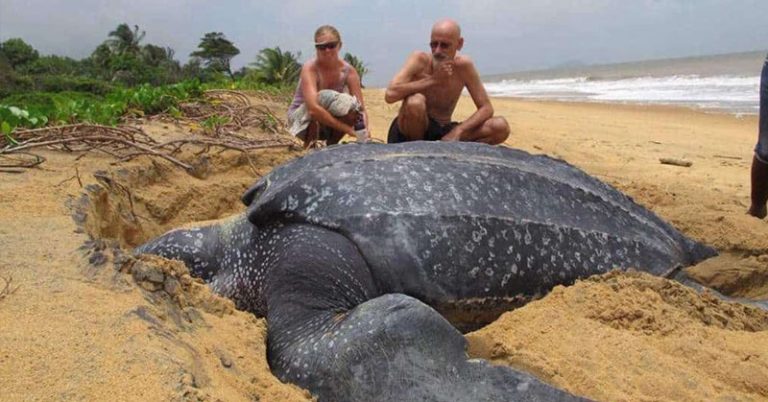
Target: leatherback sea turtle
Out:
[362,257]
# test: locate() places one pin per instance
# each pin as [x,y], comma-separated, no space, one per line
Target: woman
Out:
[328,102]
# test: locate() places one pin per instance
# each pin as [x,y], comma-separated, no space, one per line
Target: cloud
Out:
[501,35]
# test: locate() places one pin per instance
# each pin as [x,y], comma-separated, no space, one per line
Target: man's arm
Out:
[405,82]
[477,91]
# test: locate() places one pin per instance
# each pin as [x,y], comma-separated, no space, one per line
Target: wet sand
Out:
[78,328]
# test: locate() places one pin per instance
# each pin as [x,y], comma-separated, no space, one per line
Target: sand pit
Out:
[88,322]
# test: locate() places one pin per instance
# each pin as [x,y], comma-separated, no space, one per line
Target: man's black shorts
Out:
[435,131]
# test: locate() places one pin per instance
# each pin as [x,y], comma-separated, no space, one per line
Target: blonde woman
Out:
[328,102]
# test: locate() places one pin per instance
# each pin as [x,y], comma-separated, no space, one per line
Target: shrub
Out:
[60,83]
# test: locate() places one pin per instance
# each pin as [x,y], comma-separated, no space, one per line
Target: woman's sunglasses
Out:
[324,46]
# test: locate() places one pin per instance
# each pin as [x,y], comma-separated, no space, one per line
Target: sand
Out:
[82,321]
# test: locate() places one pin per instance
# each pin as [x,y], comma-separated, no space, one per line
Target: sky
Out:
[501,36]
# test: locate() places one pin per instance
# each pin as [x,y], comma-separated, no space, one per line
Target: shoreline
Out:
[367,92]
[708,110]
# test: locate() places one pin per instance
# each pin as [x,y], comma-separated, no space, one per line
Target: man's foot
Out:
[758,212]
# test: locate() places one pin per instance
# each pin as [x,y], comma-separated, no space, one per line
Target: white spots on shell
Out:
[528,239]
[505,279]
[477,235]
[291,203]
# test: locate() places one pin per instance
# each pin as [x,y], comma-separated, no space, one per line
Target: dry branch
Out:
[727,157]
[675,162]
[6,289]
[127,142]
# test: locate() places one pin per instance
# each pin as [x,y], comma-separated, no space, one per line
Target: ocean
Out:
[723,83]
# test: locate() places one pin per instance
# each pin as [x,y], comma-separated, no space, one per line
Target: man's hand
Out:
[443,70]
[453,135]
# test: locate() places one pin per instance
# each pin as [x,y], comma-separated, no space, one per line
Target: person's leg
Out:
[493,131]
[335,136]
[759,171]
[759,194]
[311,134]
[412,120]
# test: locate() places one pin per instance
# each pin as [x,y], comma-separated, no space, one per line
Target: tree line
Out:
[123,60]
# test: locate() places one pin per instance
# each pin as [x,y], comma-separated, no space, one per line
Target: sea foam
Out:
[732,94]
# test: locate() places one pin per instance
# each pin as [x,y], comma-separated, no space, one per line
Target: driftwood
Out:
[727,157]
[675,162]
[126,142]
[232,111]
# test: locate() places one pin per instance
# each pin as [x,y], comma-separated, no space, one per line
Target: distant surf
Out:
[726,83]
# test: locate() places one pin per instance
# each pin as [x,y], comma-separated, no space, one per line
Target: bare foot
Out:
[759,212]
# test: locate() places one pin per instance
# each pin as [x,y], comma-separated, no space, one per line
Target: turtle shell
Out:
[451,221]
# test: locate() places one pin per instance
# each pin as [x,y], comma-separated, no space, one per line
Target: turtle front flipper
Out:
[331,332]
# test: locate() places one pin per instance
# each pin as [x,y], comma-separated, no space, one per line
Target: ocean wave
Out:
[737,94]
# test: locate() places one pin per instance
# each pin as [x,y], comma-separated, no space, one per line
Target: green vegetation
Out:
[273,66]
[12,117]
[17,52]
[124,76]
[75,107]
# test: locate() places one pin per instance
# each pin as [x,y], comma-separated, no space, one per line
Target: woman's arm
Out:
[316,112]
[356,90]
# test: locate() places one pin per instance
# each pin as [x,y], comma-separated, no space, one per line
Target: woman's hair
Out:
[327,29]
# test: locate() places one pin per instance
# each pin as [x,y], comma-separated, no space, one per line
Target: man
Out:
[759,173]
[429,86]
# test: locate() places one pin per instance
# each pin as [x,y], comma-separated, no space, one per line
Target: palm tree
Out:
[126,41]
[217,52]
[273,66]
[156,55]
[358,65]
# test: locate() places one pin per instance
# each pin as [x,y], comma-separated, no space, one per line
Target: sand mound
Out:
[733,275]
[136,203]
[632,336]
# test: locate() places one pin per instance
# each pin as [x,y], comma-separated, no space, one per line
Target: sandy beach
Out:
[81,321]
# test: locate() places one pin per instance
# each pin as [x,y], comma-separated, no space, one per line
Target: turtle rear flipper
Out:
[331,334]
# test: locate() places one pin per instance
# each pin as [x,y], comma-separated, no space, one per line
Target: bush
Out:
[61,83]
[74,106]
[67,107]
[11,82]
[55,65]
[151,100]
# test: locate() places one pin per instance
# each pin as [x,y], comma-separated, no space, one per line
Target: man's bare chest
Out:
[442,99]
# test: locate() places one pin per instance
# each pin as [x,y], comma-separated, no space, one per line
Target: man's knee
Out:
[412,121]
[499,129]
[415,105]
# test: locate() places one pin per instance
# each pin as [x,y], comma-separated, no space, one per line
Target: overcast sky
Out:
[500,35]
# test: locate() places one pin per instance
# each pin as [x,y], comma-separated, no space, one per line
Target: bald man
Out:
[429,86]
